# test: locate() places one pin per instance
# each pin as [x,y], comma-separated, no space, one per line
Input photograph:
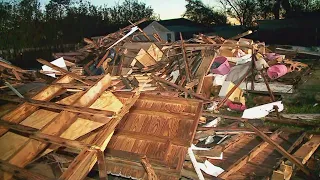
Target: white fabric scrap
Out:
[209,140]
[174,74]
[261,111]
[244,59]
[219,79]
[210,169]
[213,106]
[213,123]
[58,62]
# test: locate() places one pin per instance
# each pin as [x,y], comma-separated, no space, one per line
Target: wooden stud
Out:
[12,67]
[34,133]
[102,165]
[179,87]
[70,108]
[25,110]
[58,125]
[245,159]
[146,164]
[77,170]
[103,59]
[306,150]
[16,75]
[188,73]
[279,148]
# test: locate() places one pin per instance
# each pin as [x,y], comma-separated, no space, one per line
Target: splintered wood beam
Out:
[57,126]
[102,166]
[73,75]
[15,73]
[306,150]
[34,133]
[103,59]
[25,109]
[245,159]
[12,67]
[20,172]
[147,166]
[241,35]
[179,87]
[292,147]
[84,162]
[63,107]
[185,59]
[145,35]
[279,148]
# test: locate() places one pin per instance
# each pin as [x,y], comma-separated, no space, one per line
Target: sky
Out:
[167,9]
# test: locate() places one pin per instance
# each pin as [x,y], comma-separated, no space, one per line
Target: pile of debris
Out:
[142,108]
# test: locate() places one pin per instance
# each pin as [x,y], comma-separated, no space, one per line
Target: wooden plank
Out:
[306,150]
[58,125]
[15,73]
[279,148]
[11,142]
[84,162]
[83,126]
[279,172]
[75,76]
[146,164]
[292,147]
[70,108]
[12,67]
[204,66]
[245,159]
[34,133]
[25,110]
[261,87]
[207,86]
[145,58]
[185,59]
[103,175]
[179,87]
[20,172]
[103,59]
[150,137]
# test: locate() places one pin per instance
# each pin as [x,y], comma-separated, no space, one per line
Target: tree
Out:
[132,10]
[24,24]
[198,12]
[246,11]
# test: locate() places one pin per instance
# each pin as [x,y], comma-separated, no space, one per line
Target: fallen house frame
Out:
[130,121]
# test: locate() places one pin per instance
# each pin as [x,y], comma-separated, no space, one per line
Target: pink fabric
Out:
[277,71]
[224,68]
[272,56]
[236,107]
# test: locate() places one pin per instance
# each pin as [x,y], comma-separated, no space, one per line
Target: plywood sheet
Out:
[145,58]
[160,128]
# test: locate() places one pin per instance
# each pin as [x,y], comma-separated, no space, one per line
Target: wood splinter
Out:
[147,166]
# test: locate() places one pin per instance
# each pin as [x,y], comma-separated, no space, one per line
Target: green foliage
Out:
[198,12]
[24,24]
[247,11]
